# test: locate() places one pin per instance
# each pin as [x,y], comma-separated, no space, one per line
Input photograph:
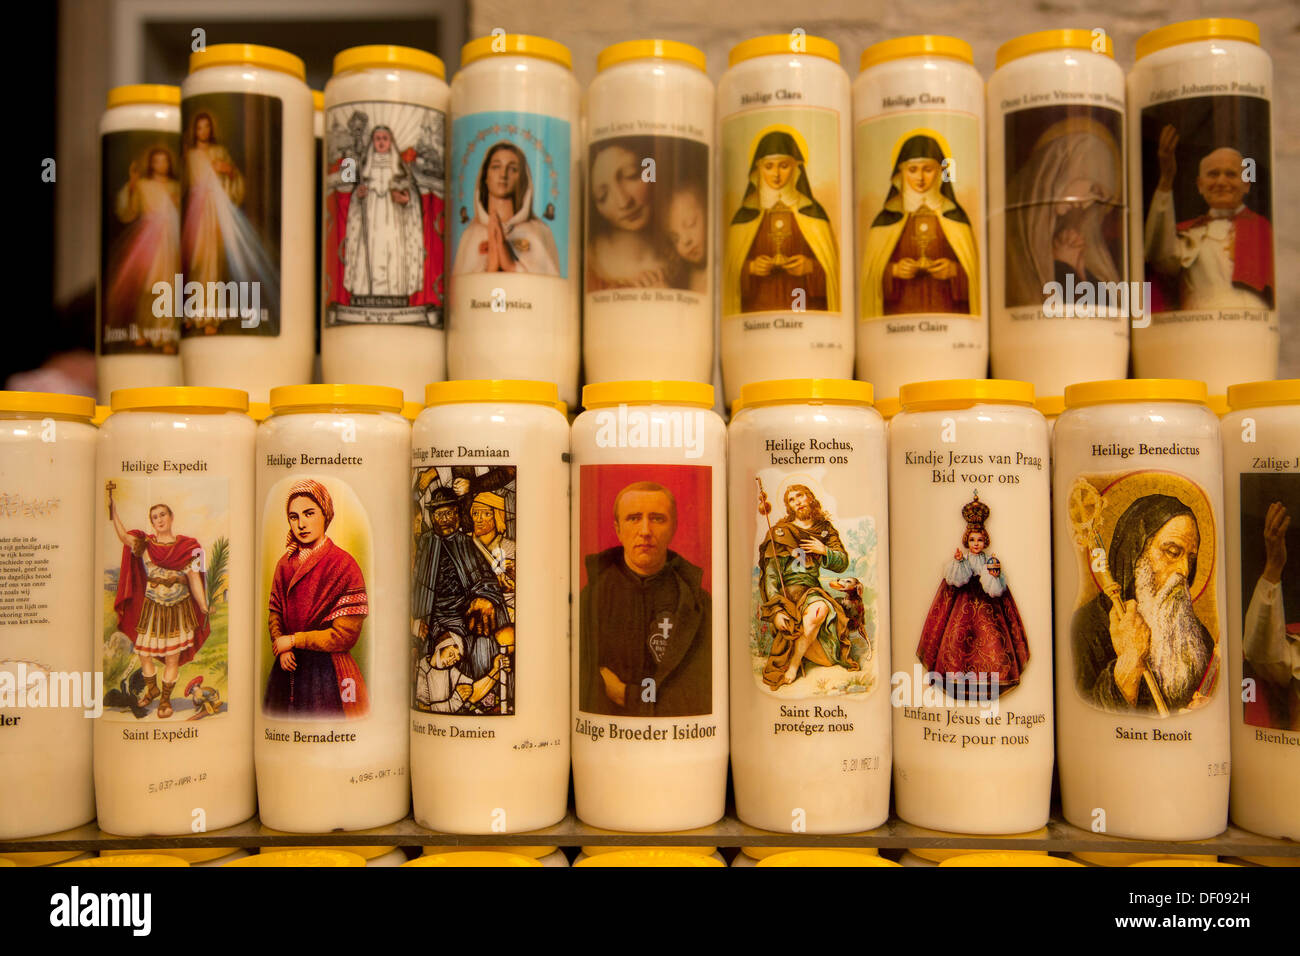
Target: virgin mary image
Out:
[317,606]
[384,246]
[921,254]
[504,235]
[780,239]
[973,636]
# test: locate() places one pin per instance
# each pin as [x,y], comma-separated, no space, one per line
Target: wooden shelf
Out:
[728,832]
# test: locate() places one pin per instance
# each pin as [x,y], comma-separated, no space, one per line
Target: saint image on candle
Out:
[780,239]
[646,622]
[161,603]
[973,636]
[1270,636]
[503,234]
[317,605]
[1139,645]
[921,254]
[384,244]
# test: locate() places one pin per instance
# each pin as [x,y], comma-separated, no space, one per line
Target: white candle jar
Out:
[47,465]
[137,330]
[810,720]
[489,650]
[1201,174]
[785,212]
[332,576]
[318,135]
[514,213]
[173,590]
[1261,471]
[648,282]
[649,648]
[1058,297]
[383,204]
[1141,697]
[246,209]
[918,114]
[972,651]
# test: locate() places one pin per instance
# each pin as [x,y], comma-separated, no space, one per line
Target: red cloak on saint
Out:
[966,630]
[131,583]
[1252,259]
[310,595]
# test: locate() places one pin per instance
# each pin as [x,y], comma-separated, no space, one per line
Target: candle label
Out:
[647,216]
[385,192]
[973,637]
[1207,197]
[140,242]
[917,207]
[231,195]
[510,191]
[463,589]
[1065,209]
[646,607]
[813,612]
[1144,636]
[318,560]
[166,576]
[1270,589]
[780,200]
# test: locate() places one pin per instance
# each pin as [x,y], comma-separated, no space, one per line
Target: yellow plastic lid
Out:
[763,852]
[888,407]
[312,856]
[561,407]
[48,403]
[134,859]
[473,858]
[799,44]
[1050,405]
[1273,860]
[285,397]
[1285,391]
[381,56]
[250,54]
[179,396]
[1131,859]
[651,50]
[411,410]
[650,856]
[604,849]
[516,44]
[923,45]
[317,101]
[825,858]
[1190,31]
[962,390]
[605,394]
[41,858]
[5,862]
[533,852]
[814,391]
[1136,390]
[365,852]
[1218,404]
[1008,859]
[101,414]
[259,411]
[148,93]
[491,390]
[1046,40]
[1173,860]
[196,855]
[736,406]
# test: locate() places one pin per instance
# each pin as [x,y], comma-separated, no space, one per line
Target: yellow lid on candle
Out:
[797,43]
[888,407]
[473,858]
[170,397]
[1284,391]
[922,45]
[650,856]
[1051,405]
[1093,41]
[312,856]
[247,54]
[957,391]
[381,55]
[144,93]
[491,390]
[1218,404]
[287,397]
[48,403]
[259,411]
[1136,390]
[317,101]
[812,391]
[1007,859]
[604,394]
[137,859]
[516,44]
[651,50]
[101,414]
[824,858]
[1190,31]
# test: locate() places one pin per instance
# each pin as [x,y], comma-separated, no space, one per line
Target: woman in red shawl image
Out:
[161,601]
[318,604]
[973,636]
